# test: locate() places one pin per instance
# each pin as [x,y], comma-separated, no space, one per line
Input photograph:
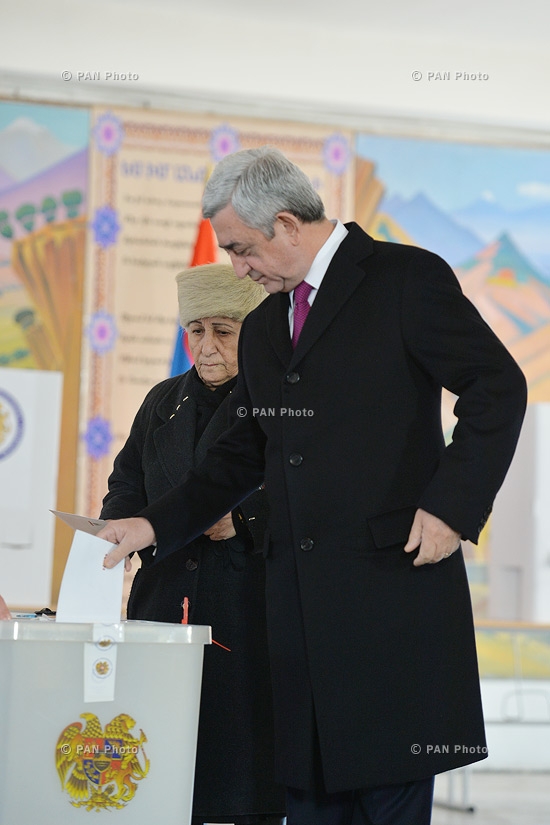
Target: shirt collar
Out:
[325,255]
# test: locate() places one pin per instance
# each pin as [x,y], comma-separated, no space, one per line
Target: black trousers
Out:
[405,804]
[408,804]
[260,819]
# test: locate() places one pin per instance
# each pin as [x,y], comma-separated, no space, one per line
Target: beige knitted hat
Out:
[214,289]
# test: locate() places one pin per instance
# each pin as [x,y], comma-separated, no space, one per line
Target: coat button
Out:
[191,564]
[292,378]
[306,544]
[295,459]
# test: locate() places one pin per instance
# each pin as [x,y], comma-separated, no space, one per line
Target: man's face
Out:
[277,263]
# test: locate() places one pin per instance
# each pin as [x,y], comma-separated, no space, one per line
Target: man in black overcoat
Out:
[370,627]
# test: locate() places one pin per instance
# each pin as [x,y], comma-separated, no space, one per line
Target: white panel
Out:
[30,416]
[335,60]
[541,517]
[517,719]
[519,565]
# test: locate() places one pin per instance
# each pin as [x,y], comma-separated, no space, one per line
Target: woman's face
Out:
[213,344]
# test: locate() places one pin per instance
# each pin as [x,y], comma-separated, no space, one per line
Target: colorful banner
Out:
[147,173]
[43,204]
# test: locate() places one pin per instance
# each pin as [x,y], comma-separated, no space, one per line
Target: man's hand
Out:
[435,539]
[130,534]
[4,612]
[223,529]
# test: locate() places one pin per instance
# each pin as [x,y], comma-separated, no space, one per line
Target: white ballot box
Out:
[98,718]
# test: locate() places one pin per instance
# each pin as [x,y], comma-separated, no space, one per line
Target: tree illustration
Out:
[72,201]
[48,209]
[25,215]
[5,228]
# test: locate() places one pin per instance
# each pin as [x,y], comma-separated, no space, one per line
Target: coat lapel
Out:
[276,308]
[342,278]
[174,440]
[216,426]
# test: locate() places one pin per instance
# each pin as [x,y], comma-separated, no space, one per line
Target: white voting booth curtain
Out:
[30,416]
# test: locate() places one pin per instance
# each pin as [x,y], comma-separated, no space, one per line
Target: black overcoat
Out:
[225,584]
[378,654]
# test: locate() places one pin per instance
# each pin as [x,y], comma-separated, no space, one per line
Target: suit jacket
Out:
[377,656]
[225,584]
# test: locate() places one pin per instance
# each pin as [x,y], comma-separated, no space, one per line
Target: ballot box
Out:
[98,722]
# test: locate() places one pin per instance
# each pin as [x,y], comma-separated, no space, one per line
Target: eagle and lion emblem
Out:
[100,769]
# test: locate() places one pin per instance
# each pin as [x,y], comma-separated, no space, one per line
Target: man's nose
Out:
[240,266]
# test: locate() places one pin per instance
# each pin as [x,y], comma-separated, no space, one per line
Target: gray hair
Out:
[260,183]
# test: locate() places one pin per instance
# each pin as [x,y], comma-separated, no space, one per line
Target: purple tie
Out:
[301,309]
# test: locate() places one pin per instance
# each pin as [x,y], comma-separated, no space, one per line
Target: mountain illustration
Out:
[514,299]
[502,282]
[27,148]
[431,228]
[5,180]
[529,227]
[69,174]
[508,289]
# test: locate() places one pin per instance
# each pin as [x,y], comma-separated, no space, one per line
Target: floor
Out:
[497,799]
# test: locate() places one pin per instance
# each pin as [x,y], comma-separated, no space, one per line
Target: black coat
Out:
[347,432]
[225,584]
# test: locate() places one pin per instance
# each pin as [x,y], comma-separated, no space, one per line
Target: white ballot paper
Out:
[87,525]
[89,592]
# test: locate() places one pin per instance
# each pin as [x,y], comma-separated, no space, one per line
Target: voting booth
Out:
[98,718]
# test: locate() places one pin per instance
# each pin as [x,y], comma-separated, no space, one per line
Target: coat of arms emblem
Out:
[11,424]
[100,769]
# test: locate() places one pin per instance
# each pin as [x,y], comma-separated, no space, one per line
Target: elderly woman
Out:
[220,573]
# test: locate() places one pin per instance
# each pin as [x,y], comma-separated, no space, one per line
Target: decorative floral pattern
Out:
[105,226]
[102,332]
[224,141]
[98,437]
[336,154]
[108,133]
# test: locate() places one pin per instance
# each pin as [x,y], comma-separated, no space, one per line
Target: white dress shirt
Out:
[319,267]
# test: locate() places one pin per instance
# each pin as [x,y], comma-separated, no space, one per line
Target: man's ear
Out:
[291,226]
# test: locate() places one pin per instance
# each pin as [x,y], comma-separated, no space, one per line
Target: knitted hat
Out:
[214,290]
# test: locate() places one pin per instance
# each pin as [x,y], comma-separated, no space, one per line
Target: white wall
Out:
[517,722]
[519,564]
[294,58]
